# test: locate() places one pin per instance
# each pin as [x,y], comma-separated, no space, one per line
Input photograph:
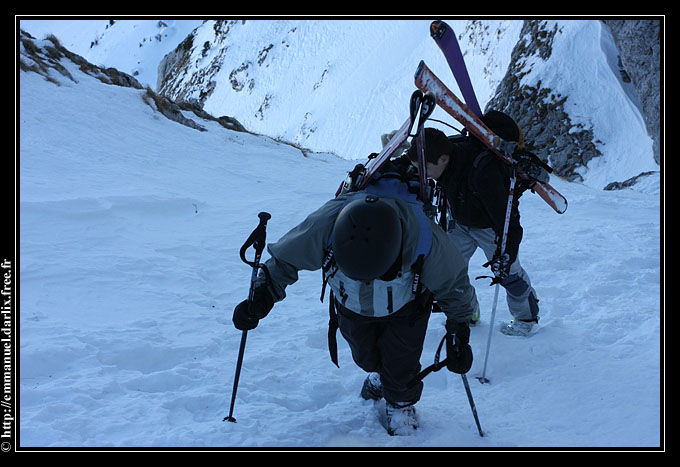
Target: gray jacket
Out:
[444,272]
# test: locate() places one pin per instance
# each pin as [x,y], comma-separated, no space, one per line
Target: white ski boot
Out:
[400,419]
[518,327]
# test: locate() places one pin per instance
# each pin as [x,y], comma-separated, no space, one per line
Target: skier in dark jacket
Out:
[476,183]
[380,243]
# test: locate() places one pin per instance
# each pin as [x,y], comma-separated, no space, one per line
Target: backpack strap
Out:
[417,287]
[332,329]
[436,366]
[482,156]
[326,266]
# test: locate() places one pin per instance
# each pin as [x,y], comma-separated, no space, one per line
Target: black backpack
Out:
[529,163]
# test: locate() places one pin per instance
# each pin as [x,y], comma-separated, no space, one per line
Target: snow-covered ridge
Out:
[135,47]
[329,85]
[339,85]
[296,79]
[50,59]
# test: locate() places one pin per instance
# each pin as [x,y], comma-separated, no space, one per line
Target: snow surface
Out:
[130,227]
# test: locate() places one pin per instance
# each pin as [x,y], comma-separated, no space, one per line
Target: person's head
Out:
[366,238]
[438,149]
[504,126]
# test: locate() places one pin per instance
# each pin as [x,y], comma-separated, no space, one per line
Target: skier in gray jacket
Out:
[385,264]
[476,184]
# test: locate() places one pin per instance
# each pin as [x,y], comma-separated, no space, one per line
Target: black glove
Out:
[532,166]
[500,265]
[458,350]
[247,317]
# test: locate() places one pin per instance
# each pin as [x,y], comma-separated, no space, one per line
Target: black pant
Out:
[390,346]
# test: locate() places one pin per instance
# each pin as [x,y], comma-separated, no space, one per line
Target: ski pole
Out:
[472,404]
[482,379]
[241,351]
[256,239]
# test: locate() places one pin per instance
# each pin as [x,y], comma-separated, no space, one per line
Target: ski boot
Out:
[400,419]
[372,388]
[519,327]
[474,319]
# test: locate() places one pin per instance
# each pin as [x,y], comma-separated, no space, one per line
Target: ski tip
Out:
[437,29]
[552,197]
[561,208]
[419,70]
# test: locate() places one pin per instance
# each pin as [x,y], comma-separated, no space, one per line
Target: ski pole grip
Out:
[256,239]
[262,233]
[414,104]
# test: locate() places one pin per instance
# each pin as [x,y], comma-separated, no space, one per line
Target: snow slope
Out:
[130,227]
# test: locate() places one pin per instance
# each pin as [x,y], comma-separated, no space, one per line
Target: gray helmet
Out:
[366,238]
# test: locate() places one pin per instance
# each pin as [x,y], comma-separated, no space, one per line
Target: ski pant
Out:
[520,295]
[390,346]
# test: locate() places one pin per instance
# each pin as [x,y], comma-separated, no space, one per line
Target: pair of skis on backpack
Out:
[432,91]
[420,108]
